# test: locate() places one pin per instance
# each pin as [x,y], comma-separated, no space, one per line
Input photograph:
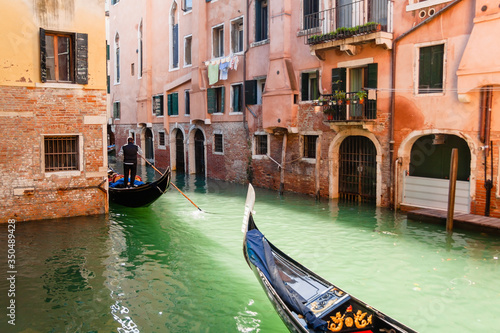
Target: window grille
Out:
[61,153]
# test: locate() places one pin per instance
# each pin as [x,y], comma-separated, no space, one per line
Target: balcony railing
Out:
[350,107]
[344,21]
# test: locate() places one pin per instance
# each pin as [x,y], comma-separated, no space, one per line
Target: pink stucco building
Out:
[361,100]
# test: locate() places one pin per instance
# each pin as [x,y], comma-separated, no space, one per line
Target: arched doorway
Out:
[179,151]
[149,149]
[427,182]
[358,170]
[199,152]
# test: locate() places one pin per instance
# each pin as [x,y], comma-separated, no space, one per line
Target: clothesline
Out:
[223,66]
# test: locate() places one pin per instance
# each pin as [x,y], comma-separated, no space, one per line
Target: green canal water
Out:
[172,268]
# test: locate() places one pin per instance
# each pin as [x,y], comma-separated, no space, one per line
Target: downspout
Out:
[245,108]
[393,90]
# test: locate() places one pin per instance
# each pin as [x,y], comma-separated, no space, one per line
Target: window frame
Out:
[78,165]
[233,100]
[418,90]
[237,35]
[218,41]
[256,152]
[306,78]
[187,102]
[261,28]
[304,145]
[188,52]
[158,98]
[160,134]
[215,150]
[117,103]
[173,104]
[216,100]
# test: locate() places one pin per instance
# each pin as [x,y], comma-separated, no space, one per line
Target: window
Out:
[311,17]
[218,41]
[158,105]
[309,146]
[237,97]
[310,89]
[261,144]
[174,36]
[261,18]
[114,2]
[187,103]
[140,52]
[173,104]
[254,90]
[117,58]
[430,72]
[116,110]
[132,69]
[237,36]
[61,153]
[161,139]
[261,86]
[215,100]
[187,50]
[187,5]
[63,57]
[218,143]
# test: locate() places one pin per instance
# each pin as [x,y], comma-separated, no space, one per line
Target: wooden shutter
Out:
[43,57]
[318,92]
[222,97]
[81,63]
[304,79]
[169,104]
[175,103]
[372,73]
[211,100]
[338,79]
[437,54]
[251,92]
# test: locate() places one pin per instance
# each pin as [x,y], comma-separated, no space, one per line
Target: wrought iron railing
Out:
[347,20]
[349,106]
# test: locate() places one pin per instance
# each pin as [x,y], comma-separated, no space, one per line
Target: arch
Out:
[177,150]
[192,154]
[404,158]
[334,155]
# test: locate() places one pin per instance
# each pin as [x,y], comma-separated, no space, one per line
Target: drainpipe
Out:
[393,86]
[485,116]
[245,123]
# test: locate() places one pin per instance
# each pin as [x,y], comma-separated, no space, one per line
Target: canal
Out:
[172,268]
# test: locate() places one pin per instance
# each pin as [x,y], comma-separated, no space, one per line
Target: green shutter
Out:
[437,54]
[81,63]
[304,79]
[43,57]
[236,99]
[424,69]
[175,103]
[169,104]
[372,76]
[251,92]
[338,79]
[211,100]
[222,97]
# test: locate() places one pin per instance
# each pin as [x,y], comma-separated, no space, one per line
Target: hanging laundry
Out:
[213,74]
[233,64]
[224,69]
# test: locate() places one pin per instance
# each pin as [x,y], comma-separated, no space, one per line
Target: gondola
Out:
[306,302]
[142,195]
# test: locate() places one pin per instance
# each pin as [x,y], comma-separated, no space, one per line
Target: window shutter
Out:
[81,63]
[318,80]
[338,79]
[304,86]
[437,53]
[222,97]
[251,92]
[372,76]
[236,99]
[43,57]
[210,100]
[169,104]
[175,103]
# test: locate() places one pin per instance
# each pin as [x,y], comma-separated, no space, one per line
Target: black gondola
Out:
[305,301]
[142,195]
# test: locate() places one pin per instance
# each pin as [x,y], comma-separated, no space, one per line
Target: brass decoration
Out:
[350,319]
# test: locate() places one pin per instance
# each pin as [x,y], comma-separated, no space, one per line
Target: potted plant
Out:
[339,96]
[361,95]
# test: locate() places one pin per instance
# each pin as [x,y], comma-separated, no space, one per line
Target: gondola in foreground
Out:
[305,301]
[143,195]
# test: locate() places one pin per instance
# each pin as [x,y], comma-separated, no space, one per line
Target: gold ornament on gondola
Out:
[349,319]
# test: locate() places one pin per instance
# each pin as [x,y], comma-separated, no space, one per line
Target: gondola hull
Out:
[143,195]
[306,302]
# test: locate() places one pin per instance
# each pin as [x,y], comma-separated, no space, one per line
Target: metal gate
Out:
[358,170]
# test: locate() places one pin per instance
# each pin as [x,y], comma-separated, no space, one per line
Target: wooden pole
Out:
[283,161]
[318,168]
[452,189]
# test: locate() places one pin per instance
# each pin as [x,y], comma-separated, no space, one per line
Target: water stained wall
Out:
[50,12]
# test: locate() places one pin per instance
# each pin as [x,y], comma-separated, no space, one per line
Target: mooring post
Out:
[452,189]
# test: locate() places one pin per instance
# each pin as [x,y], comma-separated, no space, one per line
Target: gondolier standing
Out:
[129,153]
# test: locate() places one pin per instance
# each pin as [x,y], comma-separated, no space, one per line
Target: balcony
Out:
[348,25]
[349,108]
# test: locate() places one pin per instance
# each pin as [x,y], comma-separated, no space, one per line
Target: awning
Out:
[480,63]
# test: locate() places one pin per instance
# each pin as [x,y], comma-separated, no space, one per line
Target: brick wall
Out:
[27,115]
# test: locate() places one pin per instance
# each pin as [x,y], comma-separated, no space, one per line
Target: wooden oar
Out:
[185,196]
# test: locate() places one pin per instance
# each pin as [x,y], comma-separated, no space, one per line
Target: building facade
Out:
[53,109]
[334,99]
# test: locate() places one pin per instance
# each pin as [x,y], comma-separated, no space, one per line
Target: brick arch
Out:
[190,143]
[334,155]
[173,146]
